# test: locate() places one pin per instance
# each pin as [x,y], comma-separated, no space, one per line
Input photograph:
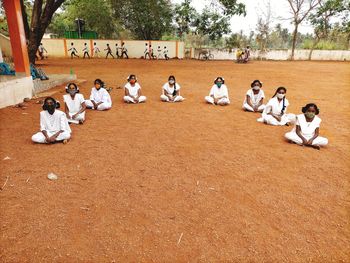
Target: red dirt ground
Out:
[135,179]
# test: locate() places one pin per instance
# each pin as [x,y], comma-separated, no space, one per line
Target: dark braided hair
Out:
[284,98]
[173,77]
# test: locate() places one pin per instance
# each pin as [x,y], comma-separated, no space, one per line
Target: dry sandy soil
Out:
[185,182]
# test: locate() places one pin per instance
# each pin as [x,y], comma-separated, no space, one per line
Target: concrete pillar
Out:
[17,37]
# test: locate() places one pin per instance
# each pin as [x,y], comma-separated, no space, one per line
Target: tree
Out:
[229,7]
[215,19]
[212,24]
[146,19]
[184,17]
[279,37]
[41,15]
[238,40]
[341,30]
[263,27]
[320,19]
[3,24]
[300,9]
[99,19]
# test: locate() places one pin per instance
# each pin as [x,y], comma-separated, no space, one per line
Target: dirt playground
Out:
[186,182]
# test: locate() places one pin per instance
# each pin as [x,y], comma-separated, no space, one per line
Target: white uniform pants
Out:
[102,106]
[221,102]
[166,98]
[129,99]
[40,138]
[286,118]
[247,107]
[293,136]
[80,117]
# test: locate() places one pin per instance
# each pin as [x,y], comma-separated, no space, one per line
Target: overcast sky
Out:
[280,9]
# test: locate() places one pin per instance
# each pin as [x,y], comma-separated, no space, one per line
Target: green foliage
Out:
[160,19]
[168,37]
[327,10]
[232,7]
[212,24]
[146,19]
[322,45]
[184,17]
[97,15]
[239,40]
[329,35]
[280,38]
[3,25]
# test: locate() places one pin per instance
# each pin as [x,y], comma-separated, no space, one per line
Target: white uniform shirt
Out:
[219,92]
[73,49]
[100,95]
[308,128]
[55,122]
[85,49]
[74,105]
[275,107]
[133,90]
[170,90]
[96,49]
[255,98]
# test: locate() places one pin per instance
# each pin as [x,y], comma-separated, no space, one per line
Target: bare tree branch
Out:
[301,10]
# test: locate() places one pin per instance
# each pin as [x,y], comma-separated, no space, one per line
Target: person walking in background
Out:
[73,51]
[151,52]
[86,51]
[166,51]
[124,51]
[117,50]
[159,53]
[41,51]
[96,51]
[109,51]
[146,52]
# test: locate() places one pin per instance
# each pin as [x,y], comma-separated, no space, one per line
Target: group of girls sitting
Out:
[307,124]
[54,124]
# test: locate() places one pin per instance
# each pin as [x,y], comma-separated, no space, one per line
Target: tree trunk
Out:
[33,44]
[317,40]
[41,18]
[295,34]
[25,20]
